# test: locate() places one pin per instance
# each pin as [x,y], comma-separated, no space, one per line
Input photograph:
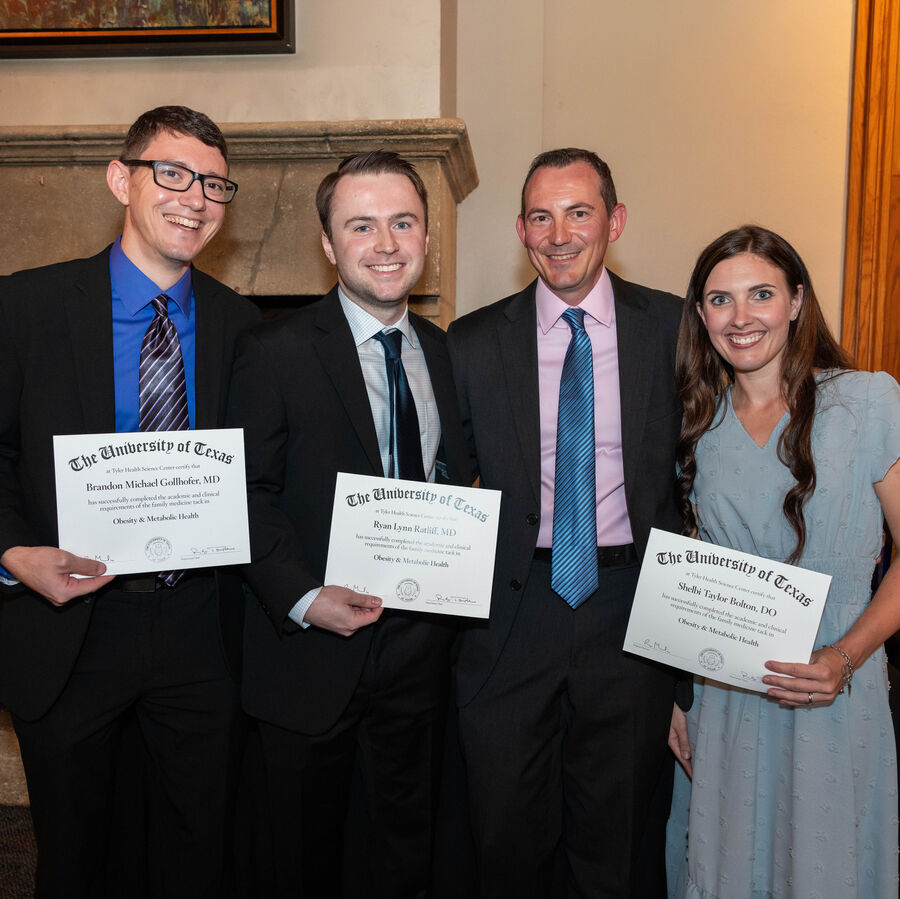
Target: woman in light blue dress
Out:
[789,454]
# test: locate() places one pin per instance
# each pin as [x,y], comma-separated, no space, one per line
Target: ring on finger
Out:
[810,698]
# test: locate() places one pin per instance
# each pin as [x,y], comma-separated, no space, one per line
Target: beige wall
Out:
[355,60]
[709,114]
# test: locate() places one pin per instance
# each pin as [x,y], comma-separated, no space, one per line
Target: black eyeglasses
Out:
[176,177]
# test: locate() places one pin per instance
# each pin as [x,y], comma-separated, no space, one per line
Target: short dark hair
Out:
[566,156]
[374,162]
[177,120]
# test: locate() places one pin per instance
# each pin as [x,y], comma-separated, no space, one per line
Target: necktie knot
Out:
[161,305]
[392,342]
[574,318]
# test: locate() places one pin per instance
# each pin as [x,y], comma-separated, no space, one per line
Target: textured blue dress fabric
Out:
[796,803]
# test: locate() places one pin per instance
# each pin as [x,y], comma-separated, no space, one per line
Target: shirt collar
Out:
[135,290]
[598,304]
[364,326]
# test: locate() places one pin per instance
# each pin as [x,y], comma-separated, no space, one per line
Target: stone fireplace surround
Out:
[57,205]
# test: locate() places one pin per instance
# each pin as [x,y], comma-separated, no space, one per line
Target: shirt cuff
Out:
[299,611]
[7,578]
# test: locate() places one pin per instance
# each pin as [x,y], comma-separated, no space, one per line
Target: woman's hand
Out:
[678,740]
[819,681]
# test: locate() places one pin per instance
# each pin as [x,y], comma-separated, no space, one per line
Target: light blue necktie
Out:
[574,559]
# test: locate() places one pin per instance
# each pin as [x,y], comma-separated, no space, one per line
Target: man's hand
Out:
[47,570]
[342,611]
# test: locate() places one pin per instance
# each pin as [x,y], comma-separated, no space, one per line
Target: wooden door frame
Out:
[872,135]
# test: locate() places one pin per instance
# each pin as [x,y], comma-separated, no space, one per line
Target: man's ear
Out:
[118,178]
[520,229]
[329,250]
[617,219]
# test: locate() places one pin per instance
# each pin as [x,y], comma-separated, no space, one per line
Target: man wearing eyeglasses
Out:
[80,650]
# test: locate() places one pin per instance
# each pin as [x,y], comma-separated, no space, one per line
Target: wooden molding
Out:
[867,296]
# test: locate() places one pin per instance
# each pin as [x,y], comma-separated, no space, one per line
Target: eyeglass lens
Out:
[177,177]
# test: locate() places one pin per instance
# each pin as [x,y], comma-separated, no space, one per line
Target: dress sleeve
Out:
[882,439]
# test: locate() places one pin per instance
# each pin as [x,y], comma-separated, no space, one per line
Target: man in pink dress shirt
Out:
[563,734]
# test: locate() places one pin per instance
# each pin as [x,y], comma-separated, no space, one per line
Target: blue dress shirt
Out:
[132,297]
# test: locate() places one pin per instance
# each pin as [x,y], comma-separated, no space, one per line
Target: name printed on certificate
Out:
[420,547]
[154,500]
[722,613]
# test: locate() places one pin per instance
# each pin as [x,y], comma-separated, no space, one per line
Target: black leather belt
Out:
[147,583]
[607,556]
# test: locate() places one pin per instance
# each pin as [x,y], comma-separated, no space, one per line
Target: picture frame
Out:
[82,28]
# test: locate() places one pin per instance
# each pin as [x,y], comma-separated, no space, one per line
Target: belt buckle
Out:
[138,583]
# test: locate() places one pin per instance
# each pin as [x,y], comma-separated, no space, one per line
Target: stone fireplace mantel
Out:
[58,206]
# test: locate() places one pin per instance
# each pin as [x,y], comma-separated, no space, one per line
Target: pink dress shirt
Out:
[613,526]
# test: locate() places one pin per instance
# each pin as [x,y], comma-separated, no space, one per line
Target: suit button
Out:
[515,584]
[532,518]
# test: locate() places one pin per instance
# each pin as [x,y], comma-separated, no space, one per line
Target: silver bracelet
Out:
[846,667]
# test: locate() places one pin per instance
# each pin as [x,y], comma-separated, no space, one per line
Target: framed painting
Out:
[44,28]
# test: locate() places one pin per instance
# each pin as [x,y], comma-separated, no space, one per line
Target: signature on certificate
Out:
[655,645]
[461,600]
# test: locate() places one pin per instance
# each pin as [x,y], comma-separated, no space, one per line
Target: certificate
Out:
[155,500]
[420,547]
[723,613]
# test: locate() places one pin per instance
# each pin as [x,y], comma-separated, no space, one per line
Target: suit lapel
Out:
[635,330]
[437,361]
[89,312]
[517,340]
[340,361]
[209,341]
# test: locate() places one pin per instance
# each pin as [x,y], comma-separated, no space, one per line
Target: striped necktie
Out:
[404,437]
[574,560]
[161,385]
[162,391]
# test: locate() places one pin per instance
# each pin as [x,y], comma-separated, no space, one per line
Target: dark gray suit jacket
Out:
[56,377]
[494,356]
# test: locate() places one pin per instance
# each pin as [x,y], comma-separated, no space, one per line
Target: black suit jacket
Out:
[494,355]
[56,377]
[299,393]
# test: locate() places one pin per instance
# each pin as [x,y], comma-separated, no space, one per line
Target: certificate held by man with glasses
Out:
[722,613]
[421,547]
[153,500]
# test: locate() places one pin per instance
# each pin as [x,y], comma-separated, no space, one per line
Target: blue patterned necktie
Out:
[574,559]
[162,391]
[404,436]
[161,385]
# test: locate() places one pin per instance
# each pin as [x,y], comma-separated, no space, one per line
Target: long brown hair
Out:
[703,375]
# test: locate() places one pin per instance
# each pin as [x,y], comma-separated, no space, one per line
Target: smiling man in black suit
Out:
[567,390]
[341,690]
[77,654]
